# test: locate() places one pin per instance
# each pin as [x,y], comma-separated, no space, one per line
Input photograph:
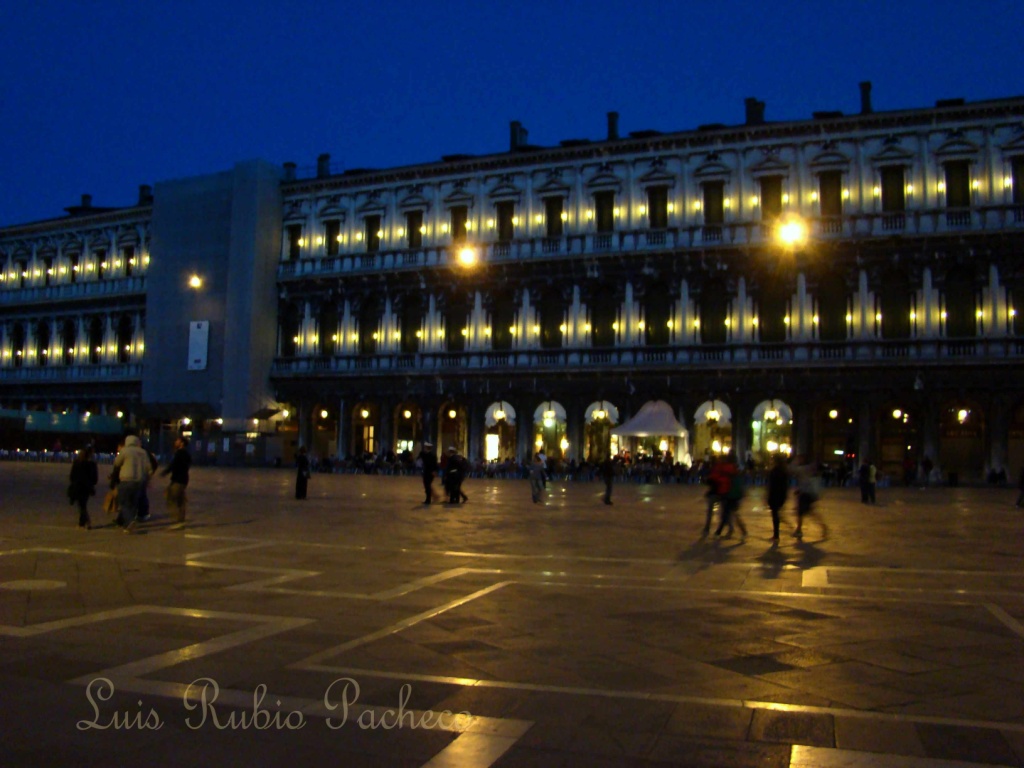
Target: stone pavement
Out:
[360,628]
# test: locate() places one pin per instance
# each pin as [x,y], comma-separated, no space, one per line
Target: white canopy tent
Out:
[656,419]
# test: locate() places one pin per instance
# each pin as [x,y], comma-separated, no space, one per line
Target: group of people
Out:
[452,469]
[133,467]
[727,488]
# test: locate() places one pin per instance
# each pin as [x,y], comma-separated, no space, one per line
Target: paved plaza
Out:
[362,628]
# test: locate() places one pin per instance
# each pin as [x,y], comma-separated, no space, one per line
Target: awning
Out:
[654,419]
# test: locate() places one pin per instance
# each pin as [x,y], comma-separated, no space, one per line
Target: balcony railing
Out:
[657,358]
[73,373]
[124,286]
[912,222]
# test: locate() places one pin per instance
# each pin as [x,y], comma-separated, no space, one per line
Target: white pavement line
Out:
[269,626]
[225,550]
[311,662]
[1006,618]
[818,757]
[481,740]
[671,698]
[815,577]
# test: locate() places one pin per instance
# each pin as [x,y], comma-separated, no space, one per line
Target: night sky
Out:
[100,97]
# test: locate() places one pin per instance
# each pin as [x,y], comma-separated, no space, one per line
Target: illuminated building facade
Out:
[841,287]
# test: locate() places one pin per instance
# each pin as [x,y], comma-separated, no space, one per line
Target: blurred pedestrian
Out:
[778,491]
[301,473]
[868,480]
[808,491]
[608,475]
[181,462]
[84,476]
[428,462]
[537,478]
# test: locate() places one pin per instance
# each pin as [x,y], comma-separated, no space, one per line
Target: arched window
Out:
[503,318]
[327,335]
[369,316]
[602,316]
[42,342]
[69,337]
[289,330]
[714,308]
[961,320]
[894,296]
[95,340]
[772,308]
[551,313]
[832,300]
[124,339]
[410,322]
[657,314]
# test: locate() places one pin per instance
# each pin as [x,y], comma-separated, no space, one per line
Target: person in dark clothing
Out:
[454,473]
[177,500]
[84,476]
[608,475]
[778,491]
[429,461]
[301,473]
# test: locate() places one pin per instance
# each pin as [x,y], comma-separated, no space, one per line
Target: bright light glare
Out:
[467,257]
[792,232]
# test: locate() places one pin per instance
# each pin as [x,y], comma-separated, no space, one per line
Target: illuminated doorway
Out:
[773,431]
[500,434]
[712,424]
[598,441]
[549,430]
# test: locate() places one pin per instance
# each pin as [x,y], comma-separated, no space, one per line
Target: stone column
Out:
[386,422]
[306,424]
[476,429]
[866,431]
[997,435]
[574,429]
[343,439]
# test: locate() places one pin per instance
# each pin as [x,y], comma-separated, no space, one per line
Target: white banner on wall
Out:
[198,343]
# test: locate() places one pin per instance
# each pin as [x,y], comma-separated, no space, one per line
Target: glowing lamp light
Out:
[563,216]
[186,421]
[792,232]
[195,282]
[962,414]
[713,415]
[896,414]
[467,257]
[120,414]
[772,446]
[284,415]
[364,413]
[716,446]
[833,414]
[452,414]
[499,415]
[600,414]
[564,444]
[323,415]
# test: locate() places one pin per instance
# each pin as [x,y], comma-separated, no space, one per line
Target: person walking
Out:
[608,475]
[537,479]
[84,476]
[808,490]
[181,462]
[868,480]
[726,474]
[301,473]
[428,461]
[778,491]
[711,480]
[133,470]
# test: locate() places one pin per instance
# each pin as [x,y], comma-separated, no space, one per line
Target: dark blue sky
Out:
[100,97]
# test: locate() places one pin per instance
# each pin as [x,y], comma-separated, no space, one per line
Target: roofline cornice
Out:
[693,140]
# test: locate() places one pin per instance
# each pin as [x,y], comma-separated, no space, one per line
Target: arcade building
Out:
[841,287]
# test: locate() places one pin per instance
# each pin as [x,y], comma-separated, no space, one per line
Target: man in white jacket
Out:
[133,470]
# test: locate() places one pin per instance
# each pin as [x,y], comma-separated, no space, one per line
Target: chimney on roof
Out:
[145,194]
[755,111]
[516,136]
[865,97]
[289,171]
[613,126]
[323,166]
[86,201]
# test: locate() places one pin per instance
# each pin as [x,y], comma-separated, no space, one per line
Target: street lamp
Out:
[792,232]
[467,257]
